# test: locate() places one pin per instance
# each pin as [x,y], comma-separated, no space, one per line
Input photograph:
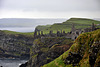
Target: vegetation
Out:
[48,49]
[66,26]
[15,44]
[16,33]
[87,42]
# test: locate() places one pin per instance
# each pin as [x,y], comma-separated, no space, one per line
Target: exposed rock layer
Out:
[15,45]
[85,52]
[47,49]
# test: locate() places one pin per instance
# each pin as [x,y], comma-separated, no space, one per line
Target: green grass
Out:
[66,26]
[58,62]
[12,32]
[83,21]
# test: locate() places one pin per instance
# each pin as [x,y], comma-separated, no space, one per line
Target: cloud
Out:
[40,8]
[39,14]
[52,5]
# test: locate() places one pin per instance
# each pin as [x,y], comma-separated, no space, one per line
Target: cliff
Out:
[15,45]
[50,51]
[45,50]
[85,52]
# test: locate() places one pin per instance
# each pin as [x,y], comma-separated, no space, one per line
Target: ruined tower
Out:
[92,27]
[51,33]
[73,27]
[41,32]
[64,32]
[58,33]
[61,31]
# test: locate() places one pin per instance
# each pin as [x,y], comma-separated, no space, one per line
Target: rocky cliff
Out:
[85,52]
[45,50]
[15,45]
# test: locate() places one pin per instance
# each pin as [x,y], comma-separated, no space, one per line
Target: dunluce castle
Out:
[73,34]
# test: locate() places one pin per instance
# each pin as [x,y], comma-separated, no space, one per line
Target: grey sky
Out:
[49,8]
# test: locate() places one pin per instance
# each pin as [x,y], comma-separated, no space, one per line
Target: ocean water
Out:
[11,62]
[24,24]
[19,29]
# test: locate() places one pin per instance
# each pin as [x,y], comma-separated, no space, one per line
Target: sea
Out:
[19,29]
[25,25]
[11,62]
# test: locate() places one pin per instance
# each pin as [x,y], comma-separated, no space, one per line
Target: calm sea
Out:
[11,62]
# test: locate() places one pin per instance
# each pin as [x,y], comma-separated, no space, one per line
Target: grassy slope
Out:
[66,26]
[85,39]
[12,32]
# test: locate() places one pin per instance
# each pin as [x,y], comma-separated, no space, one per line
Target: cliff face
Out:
[85,52]
[44,50]
[15,45]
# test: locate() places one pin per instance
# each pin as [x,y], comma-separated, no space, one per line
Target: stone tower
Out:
[61,31]
[51,32]
[73,27]
[92,27]
[64,32]
[41,32]
[58,33]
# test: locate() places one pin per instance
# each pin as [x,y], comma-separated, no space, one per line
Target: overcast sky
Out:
[49,8]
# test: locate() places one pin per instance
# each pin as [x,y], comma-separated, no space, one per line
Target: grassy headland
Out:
[18,33]
[66,26]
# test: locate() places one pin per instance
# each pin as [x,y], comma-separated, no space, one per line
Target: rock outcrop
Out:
[23,65]
[45,50]
[15,45]
[85,52]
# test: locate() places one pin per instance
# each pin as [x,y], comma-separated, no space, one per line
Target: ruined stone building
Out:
[73,34]
[92,28]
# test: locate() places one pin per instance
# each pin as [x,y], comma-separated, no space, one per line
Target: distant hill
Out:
[66,26]
[28,34]
[97,19]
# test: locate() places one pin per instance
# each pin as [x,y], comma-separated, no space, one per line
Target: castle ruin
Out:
[73,34]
